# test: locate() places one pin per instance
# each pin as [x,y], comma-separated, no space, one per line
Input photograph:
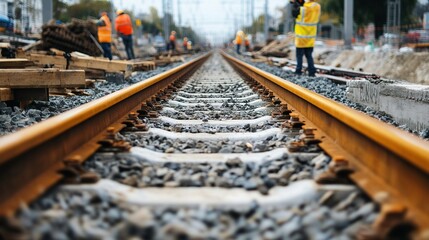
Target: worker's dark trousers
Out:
[128,42]
[300,52]
[107,50]
[172,46]
[238,49]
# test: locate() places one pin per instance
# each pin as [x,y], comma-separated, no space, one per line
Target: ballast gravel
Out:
[94,215]
[234,173]
[14,118]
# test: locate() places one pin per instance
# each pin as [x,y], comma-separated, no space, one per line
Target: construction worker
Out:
[307,17]
[189,46]
[172,41]
[185,44]
[124,28]
[247,44]
[239,40]
[105,35]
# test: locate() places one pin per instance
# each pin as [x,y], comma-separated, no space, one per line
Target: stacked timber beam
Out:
[15,63]
[6,94]
[276,48]
[41,78]
[85,63]
[24,85]
[164,60]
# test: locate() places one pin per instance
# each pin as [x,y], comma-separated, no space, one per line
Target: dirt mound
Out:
[410,67]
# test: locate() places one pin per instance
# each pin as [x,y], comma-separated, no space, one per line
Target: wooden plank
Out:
[4,45]
[6,94]
[144,66]
[15,63]
[84,63]
[41,78]
[32,45]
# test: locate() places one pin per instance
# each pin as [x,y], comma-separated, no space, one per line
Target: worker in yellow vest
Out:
[307,17]
[105,35]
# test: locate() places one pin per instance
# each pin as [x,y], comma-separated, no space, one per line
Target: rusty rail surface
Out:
[31,157]
[391,165]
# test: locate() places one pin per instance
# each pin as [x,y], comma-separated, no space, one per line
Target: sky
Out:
[218,20]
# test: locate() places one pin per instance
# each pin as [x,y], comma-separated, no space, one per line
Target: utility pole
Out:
[288,19]
[348,23]
[47,10]
[166,19]
[393,21]
[393,16]
[112,16]
[249,15]
[266,21]
[242,14]
[252,16]
[179,16]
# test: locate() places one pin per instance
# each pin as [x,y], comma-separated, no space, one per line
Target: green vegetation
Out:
[83,10]
[370,11]
[87,9]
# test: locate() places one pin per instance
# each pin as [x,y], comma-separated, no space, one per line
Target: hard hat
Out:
[173,32]
[103,13]
[119,11]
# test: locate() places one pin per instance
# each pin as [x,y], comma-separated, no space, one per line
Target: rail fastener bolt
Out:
[284,111]
[110,133]
[276,101]
[293,122]
[276,114]
[144,110]
[153,114]
[142,127]
[338,172]
[341,167]
[308,136]
[295,146]
[391,218]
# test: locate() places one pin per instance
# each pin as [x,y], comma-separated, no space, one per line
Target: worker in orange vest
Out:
[124,28]
[239,40]
[172,42]
[247,44]
[105,35]
[185,44]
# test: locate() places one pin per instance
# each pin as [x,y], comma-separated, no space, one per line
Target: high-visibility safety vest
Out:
[238,40]
[306,25]
[105,32]
[123,24]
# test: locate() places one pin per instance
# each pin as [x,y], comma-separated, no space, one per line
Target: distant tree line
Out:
[154,26]
[83,10]
[86,9]
[370,11]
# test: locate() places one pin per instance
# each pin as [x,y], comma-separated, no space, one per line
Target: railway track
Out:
[200,152]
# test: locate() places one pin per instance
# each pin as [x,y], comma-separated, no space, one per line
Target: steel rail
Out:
[388,162]
[31,157]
